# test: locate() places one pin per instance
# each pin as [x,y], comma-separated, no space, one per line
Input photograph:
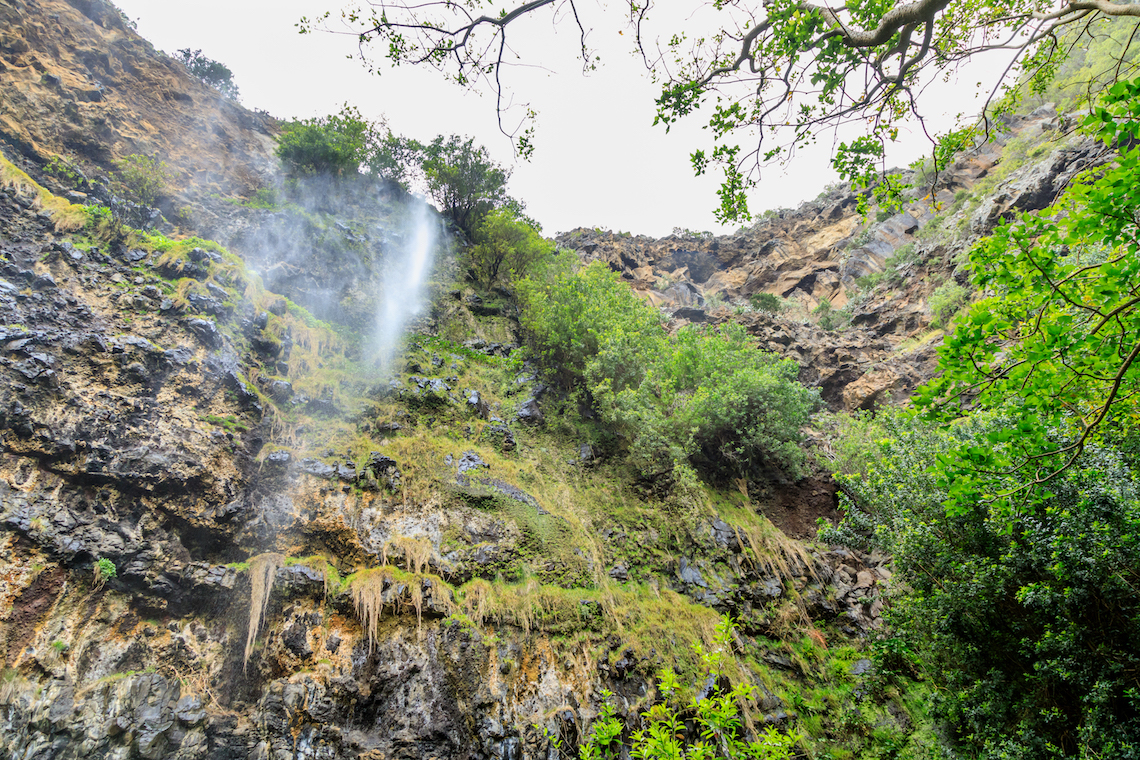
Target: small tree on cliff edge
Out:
[460,177]
[212,73]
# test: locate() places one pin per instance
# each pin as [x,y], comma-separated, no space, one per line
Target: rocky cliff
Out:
[229,533]
[875,273]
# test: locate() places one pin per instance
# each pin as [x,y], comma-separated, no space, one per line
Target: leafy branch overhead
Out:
[775,73]
[1056,343]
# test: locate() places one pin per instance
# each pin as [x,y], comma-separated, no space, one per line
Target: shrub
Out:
[209,72]
[103,570]
[946,301]
[767,302]
[506,244]
[335,145]
[571,313]
[144,178]
[705,395]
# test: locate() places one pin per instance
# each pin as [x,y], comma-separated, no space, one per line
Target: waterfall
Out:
[407,270]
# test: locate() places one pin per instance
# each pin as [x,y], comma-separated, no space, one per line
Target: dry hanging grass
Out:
[775,552]
[368,597]
[262,569]
[416,551]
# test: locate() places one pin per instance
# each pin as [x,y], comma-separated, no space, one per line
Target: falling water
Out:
[404,280]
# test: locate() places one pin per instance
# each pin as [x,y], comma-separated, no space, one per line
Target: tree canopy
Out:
[336,144]
[459,176]
[774,73]
[1055,342]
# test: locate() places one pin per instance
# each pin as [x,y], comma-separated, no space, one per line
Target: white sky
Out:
[598,163]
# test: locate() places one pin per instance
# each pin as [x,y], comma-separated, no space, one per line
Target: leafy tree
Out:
[460,177]
[775,73]
[506,245]
[1028,630]
[1057,341]
[209,71]
[337,144]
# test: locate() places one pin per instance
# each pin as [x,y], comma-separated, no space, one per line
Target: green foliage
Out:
[265,198]
[705,395]
[506,247]
[143,177]
[103,571]
[717,728]
[946,300]
[63,171]
[894,272]
[460,177]
[1029,629]
[209,71]
[1093,53]
[767,302]
[571,312]
[337,144]
[1057,341]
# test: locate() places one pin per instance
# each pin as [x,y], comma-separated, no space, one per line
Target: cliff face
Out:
[77,82]
[229,532]
[877,272]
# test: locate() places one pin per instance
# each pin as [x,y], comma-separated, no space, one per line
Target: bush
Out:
[571,313]
[144,178]
[103,571]
[335,145]
[506,244]
[767,302]
[1030,628]
[946,301]
[705,395]
[209,72]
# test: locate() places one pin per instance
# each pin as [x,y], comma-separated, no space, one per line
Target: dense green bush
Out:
[506,246]
[336,145]
[946,301]
[767,302]
[1028,628]
[706,395]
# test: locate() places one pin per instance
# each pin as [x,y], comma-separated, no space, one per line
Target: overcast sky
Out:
[599,161]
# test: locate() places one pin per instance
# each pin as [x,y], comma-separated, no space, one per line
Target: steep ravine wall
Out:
[163,407]
[132,433]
